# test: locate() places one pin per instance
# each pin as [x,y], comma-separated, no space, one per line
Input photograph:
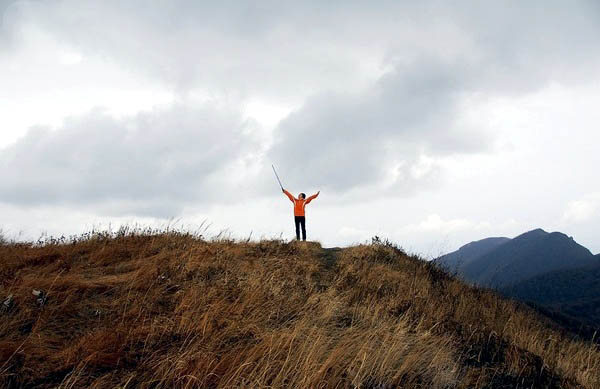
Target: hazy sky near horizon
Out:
[423,122]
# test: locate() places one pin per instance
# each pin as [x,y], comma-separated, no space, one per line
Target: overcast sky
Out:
[427,123]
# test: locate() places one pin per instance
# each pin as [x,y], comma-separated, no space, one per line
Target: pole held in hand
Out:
[277,176]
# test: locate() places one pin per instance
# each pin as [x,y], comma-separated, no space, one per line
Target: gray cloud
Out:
[154,163]
[287,49]
[357,126]
[224,47]
[4,4]
[380,135]
[5,22]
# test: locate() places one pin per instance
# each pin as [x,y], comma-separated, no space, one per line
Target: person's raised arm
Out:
[311,198]
[289,195]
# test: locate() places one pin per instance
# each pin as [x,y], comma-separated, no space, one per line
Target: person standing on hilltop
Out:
[299,217]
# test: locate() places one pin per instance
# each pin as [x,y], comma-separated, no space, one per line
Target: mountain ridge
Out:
[525,256]
[458,259]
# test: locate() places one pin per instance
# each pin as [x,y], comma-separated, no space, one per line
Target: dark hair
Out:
[302,195]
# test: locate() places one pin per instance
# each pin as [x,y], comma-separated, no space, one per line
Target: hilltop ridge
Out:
[173,310]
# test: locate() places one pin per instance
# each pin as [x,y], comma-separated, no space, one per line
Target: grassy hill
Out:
[170,310]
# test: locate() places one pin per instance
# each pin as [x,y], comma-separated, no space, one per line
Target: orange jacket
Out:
[299,204]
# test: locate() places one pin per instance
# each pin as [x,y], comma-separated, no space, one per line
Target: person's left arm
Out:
[311,198]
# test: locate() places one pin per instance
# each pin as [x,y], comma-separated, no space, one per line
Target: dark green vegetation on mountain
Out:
[573,293]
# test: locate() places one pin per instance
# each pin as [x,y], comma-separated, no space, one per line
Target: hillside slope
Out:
[573,292]
[174,311]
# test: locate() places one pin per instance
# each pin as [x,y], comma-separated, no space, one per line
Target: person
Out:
[299,216]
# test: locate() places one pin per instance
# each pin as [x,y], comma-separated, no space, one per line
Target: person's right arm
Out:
[311,198]
[289,195]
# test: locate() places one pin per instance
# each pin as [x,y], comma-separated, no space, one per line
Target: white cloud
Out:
[70,58]
[45,80]
[355,235]
[266,113]
[583,210]
[435,223]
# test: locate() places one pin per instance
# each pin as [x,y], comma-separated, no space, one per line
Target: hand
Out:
[318,192]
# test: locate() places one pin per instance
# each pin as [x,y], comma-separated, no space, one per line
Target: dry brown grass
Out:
[173,311]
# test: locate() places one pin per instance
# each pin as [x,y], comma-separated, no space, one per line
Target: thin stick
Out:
[277,176]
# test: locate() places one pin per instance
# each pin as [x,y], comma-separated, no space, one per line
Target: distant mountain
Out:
[548,270]
[528,255]
[457,260]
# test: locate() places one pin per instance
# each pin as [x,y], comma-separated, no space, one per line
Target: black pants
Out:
[300,221]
